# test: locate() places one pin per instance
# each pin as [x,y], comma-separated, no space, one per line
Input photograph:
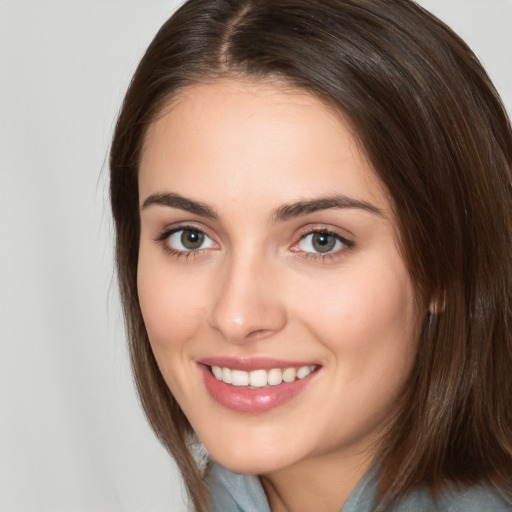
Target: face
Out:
[277,304]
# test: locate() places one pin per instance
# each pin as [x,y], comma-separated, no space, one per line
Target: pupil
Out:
[192,239]
[323,242]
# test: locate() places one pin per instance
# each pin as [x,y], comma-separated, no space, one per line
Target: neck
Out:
[323,483]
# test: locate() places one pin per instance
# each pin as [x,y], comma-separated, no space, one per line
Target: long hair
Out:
[435,131]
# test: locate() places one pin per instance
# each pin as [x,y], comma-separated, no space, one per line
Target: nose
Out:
[247,305]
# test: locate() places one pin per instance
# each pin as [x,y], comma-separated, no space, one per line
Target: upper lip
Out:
[252,363]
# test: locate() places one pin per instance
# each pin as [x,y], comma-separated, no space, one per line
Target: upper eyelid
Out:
[327,229]
[342,238]
[162,234]
[322,230]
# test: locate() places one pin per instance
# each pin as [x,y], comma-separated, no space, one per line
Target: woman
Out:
[313,206]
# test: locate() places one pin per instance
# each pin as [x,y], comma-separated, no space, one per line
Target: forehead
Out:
[243,139]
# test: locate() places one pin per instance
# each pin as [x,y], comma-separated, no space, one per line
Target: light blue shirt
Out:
[231,492]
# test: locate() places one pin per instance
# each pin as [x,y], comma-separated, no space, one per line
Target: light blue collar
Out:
[232,492]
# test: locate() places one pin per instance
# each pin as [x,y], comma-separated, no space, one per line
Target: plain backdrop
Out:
[72,436]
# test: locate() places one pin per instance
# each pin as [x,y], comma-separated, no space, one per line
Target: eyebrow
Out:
[182,203]
[306,207]
[283,213]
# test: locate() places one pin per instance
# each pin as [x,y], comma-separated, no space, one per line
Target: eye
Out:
[322,242]
[188,239]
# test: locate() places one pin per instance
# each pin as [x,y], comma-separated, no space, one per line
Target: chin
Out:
[255,461]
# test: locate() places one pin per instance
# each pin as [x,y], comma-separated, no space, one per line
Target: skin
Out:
[258,288]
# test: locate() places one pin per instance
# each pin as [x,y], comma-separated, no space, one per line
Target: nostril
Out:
[260,333]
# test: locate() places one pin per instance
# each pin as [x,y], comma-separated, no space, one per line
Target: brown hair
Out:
[437,135]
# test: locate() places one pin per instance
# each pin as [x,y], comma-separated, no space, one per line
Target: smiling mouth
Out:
[261,378]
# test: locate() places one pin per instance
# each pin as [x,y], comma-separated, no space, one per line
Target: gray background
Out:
[72,437]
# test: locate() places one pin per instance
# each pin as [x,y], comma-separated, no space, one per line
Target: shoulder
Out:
[451,499]
[233,492]
[470,499]
[475,499]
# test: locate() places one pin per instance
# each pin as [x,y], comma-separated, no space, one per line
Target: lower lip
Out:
[255,400]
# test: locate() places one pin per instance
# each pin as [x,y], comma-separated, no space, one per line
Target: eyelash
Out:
[347,245]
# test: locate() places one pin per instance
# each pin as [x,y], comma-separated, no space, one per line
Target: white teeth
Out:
[304,371]
[261,378]
[289,374]
[258,378]
[226,376]
[275,376]
[217,371]
[240,378]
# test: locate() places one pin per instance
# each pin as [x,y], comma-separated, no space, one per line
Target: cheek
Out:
[170,303]
[368,326]
[172,307]
[367,315]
